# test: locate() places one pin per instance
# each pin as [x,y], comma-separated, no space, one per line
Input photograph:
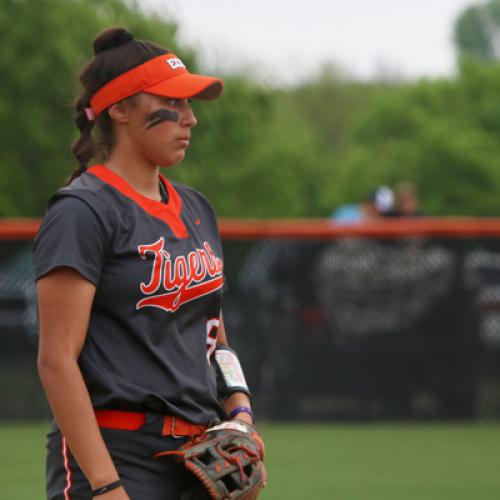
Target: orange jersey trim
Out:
[169,213]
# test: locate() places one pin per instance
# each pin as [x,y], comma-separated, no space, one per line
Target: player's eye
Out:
[175,103]
[178,103]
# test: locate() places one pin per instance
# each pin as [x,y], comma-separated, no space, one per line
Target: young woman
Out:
[129,280]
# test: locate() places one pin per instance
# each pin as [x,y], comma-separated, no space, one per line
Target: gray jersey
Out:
[158,274]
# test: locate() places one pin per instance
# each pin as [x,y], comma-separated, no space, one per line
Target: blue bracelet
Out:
[241,409]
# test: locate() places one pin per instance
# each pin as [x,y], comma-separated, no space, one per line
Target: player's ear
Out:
[119,112]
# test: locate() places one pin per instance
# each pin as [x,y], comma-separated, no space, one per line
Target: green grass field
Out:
[316,462]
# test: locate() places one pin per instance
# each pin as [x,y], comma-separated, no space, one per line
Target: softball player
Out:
[129,278]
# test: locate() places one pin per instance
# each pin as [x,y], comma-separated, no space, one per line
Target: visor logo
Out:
[175,63]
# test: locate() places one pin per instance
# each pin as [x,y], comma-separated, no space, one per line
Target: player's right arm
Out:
[65,300]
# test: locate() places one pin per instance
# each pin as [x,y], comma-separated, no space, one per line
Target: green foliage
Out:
[252,154]
[477,30]
[442,135]
[330,106]
[471,35]
[44,44]
[329,103]
[260,152]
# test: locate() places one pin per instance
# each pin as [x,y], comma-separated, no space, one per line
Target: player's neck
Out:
[142,176]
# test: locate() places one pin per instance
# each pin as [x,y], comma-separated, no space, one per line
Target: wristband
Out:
[241,409]
[108,487]
[230,377]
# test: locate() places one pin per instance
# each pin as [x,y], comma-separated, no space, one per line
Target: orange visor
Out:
[165,76]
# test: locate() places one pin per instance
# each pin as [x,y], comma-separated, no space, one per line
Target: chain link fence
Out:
[337,327]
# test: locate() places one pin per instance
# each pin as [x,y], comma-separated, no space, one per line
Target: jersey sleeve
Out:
[71,235]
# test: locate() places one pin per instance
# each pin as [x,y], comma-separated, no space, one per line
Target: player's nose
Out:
[188,118]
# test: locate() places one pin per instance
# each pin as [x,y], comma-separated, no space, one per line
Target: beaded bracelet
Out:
[241,409]
[105,489]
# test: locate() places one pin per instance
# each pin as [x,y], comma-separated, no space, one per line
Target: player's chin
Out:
[173,160]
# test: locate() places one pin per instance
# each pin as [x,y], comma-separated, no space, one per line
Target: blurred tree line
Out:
[257,151]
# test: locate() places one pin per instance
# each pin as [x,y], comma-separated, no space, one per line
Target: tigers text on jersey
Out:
[158,272]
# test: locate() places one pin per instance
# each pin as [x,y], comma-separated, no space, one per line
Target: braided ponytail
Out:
[83,148]
[115,52]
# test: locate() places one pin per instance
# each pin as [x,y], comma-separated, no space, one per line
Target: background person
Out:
[407,200]
[378,203]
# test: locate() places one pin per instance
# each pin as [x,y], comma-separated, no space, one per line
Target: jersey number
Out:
[212,328]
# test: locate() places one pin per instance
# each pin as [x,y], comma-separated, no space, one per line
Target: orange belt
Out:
[131,421]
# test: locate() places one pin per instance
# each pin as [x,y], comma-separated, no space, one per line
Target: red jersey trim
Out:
[169,213]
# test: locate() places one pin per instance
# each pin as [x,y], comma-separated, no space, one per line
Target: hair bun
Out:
[111,39]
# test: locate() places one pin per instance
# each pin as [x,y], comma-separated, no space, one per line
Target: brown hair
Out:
[115,52]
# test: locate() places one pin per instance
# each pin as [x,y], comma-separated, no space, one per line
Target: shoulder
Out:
[197,207]
[76,232]
[193,196]
[85,196]
[79,207]
[194,200]
[85,188]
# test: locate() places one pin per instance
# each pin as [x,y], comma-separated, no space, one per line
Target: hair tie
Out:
[89,113]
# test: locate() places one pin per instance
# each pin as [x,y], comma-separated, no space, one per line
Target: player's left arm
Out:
[234,384]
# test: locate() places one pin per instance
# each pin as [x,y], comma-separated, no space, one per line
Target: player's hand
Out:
[118,494]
